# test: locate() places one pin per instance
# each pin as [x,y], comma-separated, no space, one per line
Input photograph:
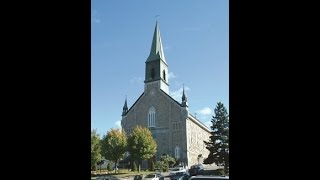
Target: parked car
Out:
[138,177]
[177,170]
[180,176]
[196,170]
[209,177]
[154,176]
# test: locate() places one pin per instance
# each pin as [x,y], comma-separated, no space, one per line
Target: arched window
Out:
[177,152]
[152,73]
[152,117]
[164,74]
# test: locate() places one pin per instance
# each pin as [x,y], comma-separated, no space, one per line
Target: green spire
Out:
[156,47]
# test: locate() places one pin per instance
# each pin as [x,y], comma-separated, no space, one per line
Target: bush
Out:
[165,168]
[109,167]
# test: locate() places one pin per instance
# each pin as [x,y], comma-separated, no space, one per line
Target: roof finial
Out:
[184,98]
[125,107]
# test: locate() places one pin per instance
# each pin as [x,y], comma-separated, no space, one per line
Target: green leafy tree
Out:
[95,149]
[167,161]
[141,144]
[161,166]
[219,139]
[109,168]
[114,145]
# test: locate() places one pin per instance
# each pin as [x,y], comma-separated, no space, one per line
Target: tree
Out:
[109,168]
[100,164]
[95,149]
[167,161]
[141,144]
[219,139]
[114,145]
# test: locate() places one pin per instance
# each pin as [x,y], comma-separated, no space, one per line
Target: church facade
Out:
[176,132]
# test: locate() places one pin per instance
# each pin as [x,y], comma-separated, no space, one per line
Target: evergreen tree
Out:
[219,139]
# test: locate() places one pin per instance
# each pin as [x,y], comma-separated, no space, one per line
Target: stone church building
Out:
[176,132]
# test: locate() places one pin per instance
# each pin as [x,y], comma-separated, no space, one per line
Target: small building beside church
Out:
[176,132]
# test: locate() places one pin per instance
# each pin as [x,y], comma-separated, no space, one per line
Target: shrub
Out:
[109,167]
[165,168]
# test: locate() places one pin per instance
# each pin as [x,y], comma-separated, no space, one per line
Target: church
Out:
[176,132]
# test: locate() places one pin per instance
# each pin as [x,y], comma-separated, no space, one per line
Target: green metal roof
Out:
[156,47]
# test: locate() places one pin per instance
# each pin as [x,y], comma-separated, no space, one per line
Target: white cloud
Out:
[118,124]
[204,115]
[136,80]
[171,75]
[204,111]
[177,95]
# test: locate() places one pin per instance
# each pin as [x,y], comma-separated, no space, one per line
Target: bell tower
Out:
[156,73]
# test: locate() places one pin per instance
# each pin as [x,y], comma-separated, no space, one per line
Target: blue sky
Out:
[195,37]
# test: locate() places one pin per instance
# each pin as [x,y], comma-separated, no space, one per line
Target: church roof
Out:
[162,91]
[135,102]
[156,47]
[171,98]
[201,124]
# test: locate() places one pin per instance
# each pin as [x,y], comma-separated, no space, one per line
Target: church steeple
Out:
[156,47]
[125,108]
[184,99]
[156,74]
